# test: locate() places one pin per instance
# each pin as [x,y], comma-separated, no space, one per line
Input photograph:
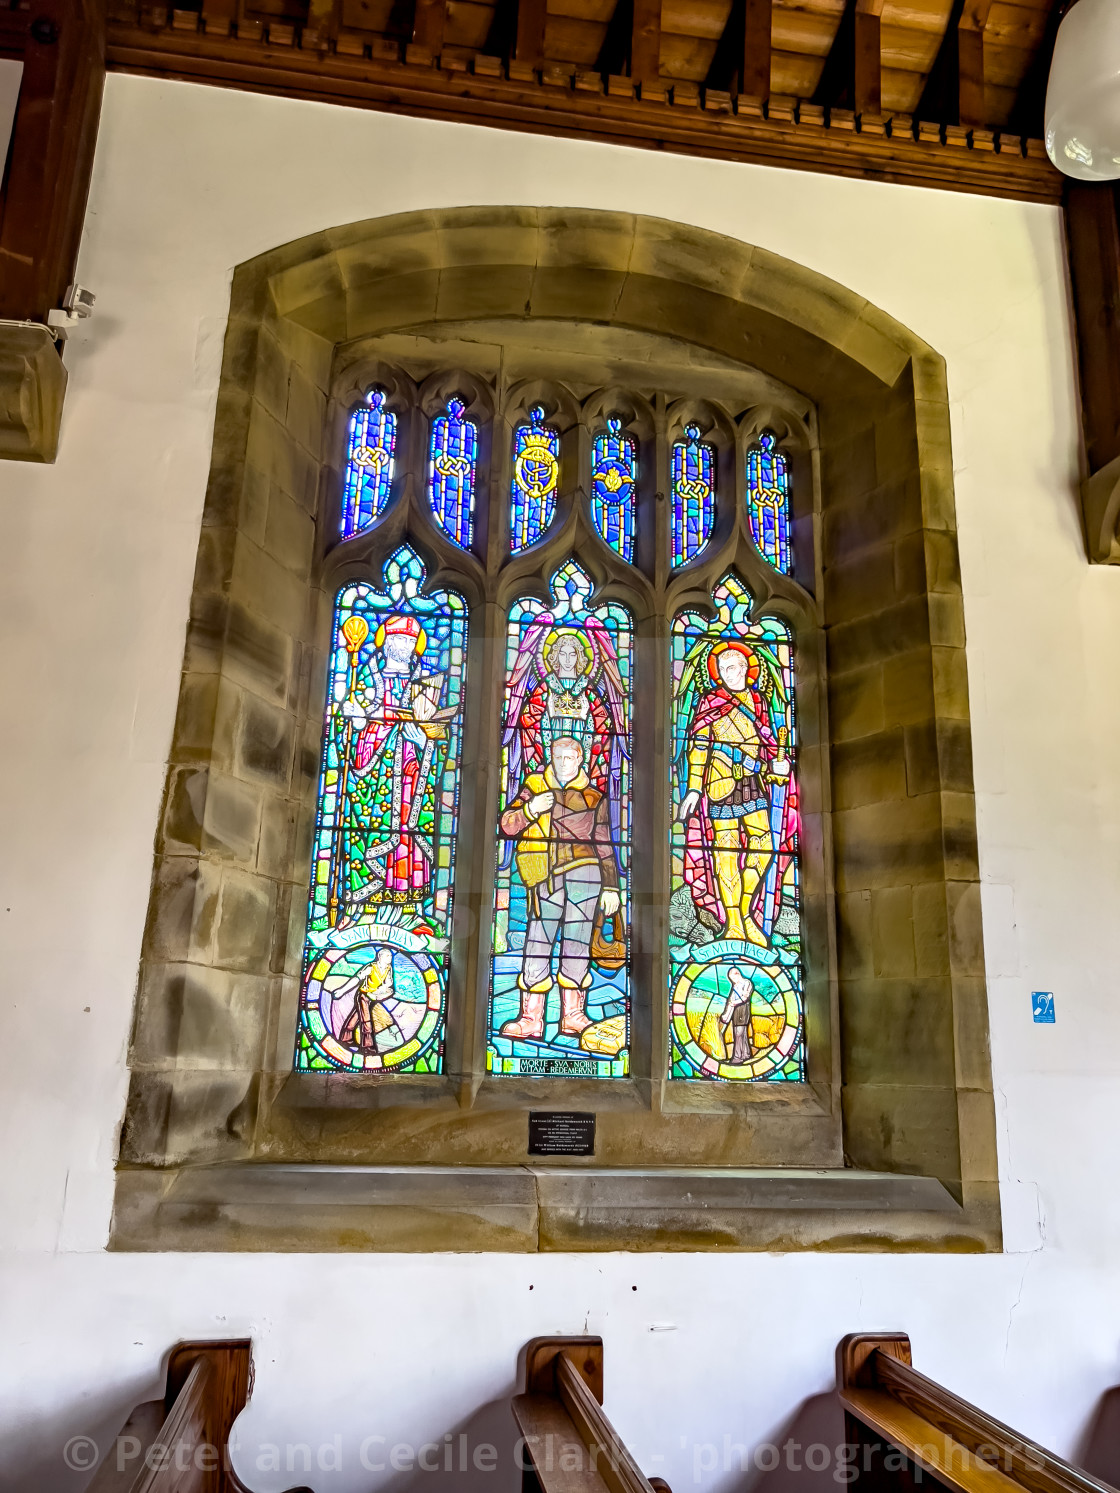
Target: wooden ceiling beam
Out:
[529,47]
[867,62]
[645,41]
[429,21]
[972,110]
[758,18]
[51,155]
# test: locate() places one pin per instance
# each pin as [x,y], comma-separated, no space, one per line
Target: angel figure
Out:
[566,684]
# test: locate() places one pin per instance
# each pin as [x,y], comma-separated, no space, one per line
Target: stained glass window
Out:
[536,472]
[369,464]
[734,912]
[452,468]
[694,495]
[560,974]
[375,960]
[768,501]
[614,478]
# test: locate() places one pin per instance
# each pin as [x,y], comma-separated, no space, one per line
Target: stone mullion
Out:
[475,862]
[649,856]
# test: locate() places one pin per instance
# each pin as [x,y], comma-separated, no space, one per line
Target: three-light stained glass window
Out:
[374,990]
[694,496]
[378,967]
[370,457]
[536,473]
[768,501]
[614,482]
[453,471]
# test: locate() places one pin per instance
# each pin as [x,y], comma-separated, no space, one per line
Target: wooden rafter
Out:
[529,47]
[867,64]
[757,43]
[645,43]
[971,103]
[428,25]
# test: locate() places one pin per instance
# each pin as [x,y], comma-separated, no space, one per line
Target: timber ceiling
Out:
[934,92]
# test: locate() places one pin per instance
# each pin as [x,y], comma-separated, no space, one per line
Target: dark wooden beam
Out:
[867,63]
[1093,234]
[428,24]
[972,110]
[51,155]
[645,43]
[955,90]
[529,48]
[754,79]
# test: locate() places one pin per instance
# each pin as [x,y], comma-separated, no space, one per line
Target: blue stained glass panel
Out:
[768,501]
[374,987]
[536,473]
[614,480]
[694,496]
[369,464]
[736,980]
[560,975]
[452,471]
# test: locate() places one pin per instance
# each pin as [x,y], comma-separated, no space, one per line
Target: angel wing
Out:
[692,685]
[611,683]
[523,679]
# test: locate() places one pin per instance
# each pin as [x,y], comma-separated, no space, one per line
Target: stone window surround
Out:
[212,1126]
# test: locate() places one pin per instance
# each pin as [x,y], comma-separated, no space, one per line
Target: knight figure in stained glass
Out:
[370,456]
[614,479]
[694,496]
[768,501]
[452,471]
[375,959]
[735,929]
[536,473]
[560,988]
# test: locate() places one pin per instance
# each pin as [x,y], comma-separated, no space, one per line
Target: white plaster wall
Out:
[97,554]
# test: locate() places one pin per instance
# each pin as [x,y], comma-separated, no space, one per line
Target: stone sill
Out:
[255,1206]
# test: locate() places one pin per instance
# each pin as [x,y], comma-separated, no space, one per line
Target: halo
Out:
[732,645]
[584,643]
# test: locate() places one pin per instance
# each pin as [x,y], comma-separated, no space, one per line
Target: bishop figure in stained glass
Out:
[375,961]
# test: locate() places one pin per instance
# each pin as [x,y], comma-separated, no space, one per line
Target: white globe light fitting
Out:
[1083,95]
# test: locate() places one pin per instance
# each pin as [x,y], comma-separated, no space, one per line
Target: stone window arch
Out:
[897,1114]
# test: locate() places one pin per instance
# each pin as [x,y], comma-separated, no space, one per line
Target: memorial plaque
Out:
[561,1133]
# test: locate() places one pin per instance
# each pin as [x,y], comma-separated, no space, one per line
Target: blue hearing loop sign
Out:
[1042,1007]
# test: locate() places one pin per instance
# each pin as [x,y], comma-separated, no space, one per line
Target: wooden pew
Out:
[180,1444]
[891,1408]
[569,1445]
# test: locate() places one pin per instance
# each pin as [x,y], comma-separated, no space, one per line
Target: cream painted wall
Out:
[97,555]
